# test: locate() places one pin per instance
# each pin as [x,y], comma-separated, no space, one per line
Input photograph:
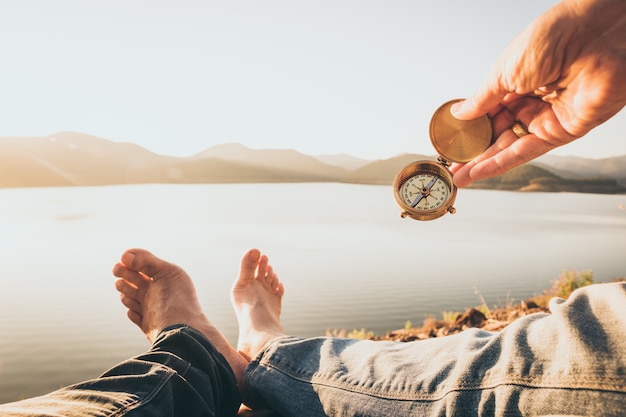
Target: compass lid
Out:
[459,140]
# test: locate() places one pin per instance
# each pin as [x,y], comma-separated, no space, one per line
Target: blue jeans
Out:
[570,362]
[181,375]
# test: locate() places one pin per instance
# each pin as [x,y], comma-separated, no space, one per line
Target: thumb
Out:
[479,104]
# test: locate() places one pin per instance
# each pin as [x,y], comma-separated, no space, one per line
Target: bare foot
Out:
[257,298]
[159,294]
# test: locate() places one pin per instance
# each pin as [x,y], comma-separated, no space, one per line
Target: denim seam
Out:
[582,383]
[145,400]
[391,395]
[460,388]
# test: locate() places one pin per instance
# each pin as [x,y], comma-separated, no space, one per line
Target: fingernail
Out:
[456,108]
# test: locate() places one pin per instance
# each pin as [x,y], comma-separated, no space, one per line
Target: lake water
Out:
[346,257]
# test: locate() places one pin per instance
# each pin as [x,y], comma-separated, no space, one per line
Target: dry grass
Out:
[490,319]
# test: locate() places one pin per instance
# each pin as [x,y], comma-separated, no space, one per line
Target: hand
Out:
[561,77]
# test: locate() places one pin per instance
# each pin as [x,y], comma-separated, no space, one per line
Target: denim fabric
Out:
[181,375]
[570,362]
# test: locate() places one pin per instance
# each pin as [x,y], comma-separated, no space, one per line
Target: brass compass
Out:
[424,189]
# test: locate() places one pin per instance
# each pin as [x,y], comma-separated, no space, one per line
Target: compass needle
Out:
[432,182]
[417,200]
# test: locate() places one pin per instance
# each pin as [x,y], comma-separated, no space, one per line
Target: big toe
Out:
[143,261]
[249,264]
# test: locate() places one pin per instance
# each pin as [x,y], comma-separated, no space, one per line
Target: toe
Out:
[273,282]
[131,303]
[135,317]
[280,290]
[262,270]
[141,260]
[131,276]
[249,263]
[127,288]
[269,274]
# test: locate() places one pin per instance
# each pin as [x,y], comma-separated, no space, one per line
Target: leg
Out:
[159,294]
[182,374]
[570,362]
[190,370]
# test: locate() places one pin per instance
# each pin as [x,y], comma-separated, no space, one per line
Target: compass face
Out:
[425,192]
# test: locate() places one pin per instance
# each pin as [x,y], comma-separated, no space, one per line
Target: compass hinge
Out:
[443,161]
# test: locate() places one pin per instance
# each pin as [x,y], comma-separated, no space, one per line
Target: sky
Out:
[355,77]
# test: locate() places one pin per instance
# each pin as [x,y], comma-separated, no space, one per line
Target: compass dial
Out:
[425,192]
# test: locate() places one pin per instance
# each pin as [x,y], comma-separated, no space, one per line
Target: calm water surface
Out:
[346,257]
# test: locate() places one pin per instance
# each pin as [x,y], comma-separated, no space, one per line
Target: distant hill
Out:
[383,171]
[530,177]
[287,162]
[68,158]
[75,159]
[343,161]
[571,167]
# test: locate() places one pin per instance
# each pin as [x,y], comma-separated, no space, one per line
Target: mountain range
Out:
[76,159]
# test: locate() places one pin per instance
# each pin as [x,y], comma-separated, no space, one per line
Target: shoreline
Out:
[481,317]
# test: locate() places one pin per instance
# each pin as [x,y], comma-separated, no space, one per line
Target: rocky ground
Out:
[491,320]
[484,318]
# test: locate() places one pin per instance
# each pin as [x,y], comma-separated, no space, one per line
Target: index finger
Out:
[506,153]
